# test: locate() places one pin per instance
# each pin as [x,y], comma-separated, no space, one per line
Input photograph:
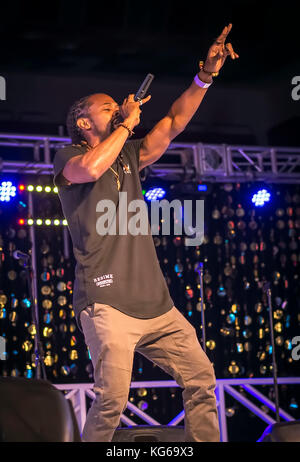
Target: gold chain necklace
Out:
[126,168]
[117,178]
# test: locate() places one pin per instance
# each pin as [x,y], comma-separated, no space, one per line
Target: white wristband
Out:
[200,83]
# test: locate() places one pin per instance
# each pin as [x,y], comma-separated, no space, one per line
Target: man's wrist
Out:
[204,77]
[130,122]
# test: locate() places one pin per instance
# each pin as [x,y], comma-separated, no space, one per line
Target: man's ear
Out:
[83,123]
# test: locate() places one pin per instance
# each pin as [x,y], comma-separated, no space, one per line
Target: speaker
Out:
[35,411]
[143,433]
[281,432]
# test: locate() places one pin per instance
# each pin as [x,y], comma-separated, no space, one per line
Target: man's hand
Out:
[182,110]
[219,51]
[131,109]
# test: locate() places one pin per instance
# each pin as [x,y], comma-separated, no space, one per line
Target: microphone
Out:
[144,87]
[18,255]
[266,286]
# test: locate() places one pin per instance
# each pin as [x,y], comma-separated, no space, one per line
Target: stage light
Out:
[37,188]
[192,188]
[40,221]
[7,190]
[26,302]
[29,374]
[3,314]
[293,404]
[260,197]
[155,194]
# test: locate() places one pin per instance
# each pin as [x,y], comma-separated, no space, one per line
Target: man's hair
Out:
[79,109]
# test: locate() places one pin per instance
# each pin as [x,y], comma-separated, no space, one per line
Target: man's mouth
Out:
[115,121]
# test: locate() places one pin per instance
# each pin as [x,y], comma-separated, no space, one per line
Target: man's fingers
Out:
[131,97]
[223,35]
[230,51]
[145,100]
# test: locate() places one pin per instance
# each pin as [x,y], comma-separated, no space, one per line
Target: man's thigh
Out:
[108,336]
[174,346]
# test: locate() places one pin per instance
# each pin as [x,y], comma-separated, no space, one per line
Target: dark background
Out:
[55,52]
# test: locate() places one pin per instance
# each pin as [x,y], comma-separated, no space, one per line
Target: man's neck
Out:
[93,141]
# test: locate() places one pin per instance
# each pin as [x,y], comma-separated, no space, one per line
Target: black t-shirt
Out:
[118,270]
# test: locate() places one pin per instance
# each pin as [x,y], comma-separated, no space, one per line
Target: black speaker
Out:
[35,411]
[282,432]
[143,433]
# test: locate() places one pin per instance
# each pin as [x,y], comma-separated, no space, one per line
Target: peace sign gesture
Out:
[219,51]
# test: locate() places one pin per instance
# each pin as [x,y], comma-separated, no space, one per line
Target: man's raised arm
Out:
[182,110]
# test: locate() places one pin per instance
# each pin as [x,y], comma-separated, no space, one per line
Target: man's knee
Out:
[117,401]
[203,378]
[211,376]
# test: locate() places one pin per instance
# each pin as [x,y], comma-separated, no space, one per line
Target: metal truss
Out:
[77,394]
[181,161]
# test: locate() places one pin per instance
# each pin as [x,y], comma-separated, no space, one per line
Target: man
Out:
[121,300]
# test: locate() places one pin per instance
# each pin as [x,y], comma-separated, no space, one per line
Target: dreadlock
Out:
[79,109]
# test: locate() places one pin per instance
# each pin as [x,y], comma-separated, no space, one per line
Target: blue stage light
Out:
[260,197]
[26,302]
[155,194]
[29,374]
[202,187]
[7,190]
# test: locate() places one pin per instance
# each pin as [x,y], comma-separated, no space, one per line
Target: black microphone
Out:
[18,255]
[266,286]
[143,88]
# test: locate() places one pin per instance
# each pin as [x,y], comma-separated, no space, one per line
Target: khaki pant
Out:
[170,342]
